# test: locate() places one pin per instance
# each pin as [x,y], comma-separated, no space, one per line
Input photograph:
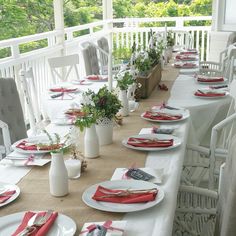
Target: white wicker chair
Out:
[202,212]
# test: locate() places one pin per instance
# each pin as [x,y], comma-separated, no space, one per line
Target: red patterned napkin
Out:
[23,145]
[146,142]
[209,79]
[131,198]
[161,116]
[185,65]
[40,231]
[6,195]
[63,90]
[209,94]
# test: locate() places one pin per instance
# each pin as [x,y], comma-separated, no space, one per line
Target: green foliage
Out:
[170,39]
[85,121]
[104,104]
[124,79]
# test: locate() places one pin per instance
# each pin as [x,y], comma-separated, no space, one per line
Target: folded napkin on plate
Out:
[161,116]
[109,195]
[209,79]
[185,65]
[209,94]
[6,195]
[40,231]
[24,145]
[96,77]
[63,90]
[185,57]
[148,142]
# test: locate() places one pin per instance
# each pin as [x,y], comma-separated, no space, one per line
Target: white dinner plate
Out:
[216,97]
[84,82]
[33,140]
[119,207]
[183,112]
[63,225]
[4,187]
[177,142]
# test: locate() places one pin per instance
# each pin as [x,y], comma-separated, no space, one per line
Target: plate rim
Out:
[101,208]
[187,114]
[124,142]
[14,197]
[21,213]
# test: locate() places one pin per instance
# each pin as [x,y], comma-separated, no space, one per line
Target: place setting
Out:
[203,79]
[8,193]
[151,142]
[165,114]
[186,57]
[62,92]
[123,195]
[185,65]
[97,78]
[48,223]
[68,117]
[209,93]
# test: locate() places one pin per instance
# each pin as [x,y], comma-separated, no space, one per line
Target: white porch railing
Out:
[125,33]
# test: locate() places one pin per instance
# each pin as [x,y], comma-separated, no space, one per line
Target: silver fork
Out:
[35,221]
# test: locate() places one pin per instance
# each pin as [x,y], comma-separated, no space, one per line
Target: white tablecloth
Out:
[205,113]
[159,219]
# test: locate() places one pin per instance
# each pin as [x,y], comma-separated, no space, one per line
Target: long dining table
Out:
[158,220]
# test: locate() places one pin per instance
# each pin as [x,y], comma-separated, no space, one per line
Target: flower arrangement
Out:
[85,121]
[124,79]
[99,105]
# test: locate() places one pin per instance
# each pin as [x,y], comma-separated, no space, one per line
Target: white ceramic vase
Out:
[58,176]
[104,129]
[124,111]
[91,143]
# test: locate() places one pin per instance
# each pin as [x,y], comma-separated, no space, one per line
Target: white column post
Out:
[108,15]
[59,22]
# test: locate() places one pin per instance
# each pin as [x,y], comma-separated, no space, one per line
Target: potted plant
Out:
[91,143]
[103,105]
[124,80]
[148,65]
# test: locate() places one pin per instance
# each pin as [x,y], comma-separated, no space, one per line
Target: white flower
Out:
[87,100]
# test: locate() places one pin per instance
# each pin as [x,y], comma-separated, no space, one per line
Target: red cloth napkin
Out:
[210,94]
[40,231]
[96,77]
[145,142]
[132,198]
[210,79]
[63,90]
[185,65]
[23,145]
[161,116]
[9,195]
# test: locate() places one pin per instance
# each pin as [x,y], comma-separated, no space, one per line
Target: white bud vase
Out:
[124,102]
[91,144]
[58,176]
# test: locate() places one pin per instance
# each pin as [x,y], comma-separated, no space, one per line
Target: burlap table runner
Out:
[35,187]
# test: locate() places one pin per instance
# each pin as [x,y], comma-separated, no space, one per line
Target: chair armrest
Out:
[197,148]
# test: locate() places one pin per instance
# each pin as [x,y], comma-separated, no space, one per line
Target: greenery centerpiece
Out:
[103,106]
